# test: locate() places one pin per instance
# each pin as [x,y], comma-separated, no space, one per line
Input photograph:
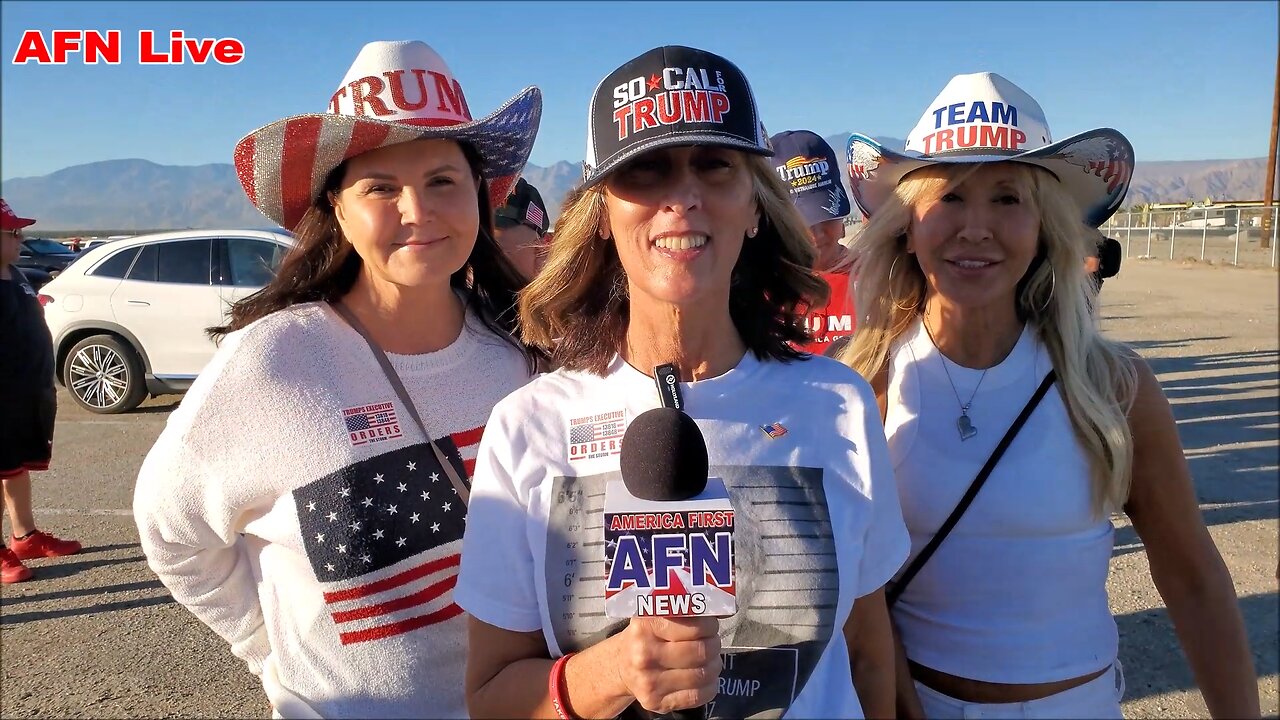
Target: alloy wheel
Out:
[98,375]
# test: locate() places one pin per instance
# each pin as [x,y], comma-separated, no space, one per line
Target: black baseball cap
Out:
[672,95]
[807,164]
[524,207]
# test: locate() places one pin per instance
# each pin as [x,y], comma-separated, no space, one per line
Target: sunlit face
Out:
[10,246]
[826,237]
[410,211]
[976,241]
[522,245]
[678,217]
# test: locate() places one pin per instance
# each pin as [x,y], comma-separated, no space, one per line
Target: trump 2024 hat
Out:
[983,117]
[394,92]
[671,95]
[807,164]
[524,207]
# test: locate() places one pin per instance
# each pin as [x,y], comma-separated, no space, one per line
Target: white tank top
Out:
[1017,591]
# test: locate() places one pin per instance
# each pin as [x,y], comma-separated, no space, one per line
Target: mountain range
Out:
[141,195]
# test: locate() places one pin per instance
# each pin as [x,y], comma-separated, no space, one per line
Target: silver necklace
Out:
[964,424]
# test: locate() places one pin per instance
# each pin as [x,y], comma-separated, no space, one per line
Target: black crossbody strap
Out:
[394,378]
[896,588]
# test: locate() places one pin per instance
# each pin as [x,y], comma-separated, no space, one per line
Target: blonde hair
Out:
[577,306]
[1096,375]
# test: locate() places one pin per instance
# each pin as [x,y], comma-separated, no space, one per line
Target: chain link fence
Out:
[1221,235]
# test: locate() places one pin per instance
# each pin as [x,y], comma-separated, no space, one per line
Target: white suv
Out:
[128,318]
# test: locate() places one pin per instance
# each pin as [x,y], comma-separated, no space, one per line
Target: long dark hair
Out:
[323,267]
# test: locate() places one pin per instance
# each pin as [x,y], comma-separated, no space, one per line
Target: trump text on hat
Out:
[369,95]
[679,95]
[976,124]
[801,171]
[94,46]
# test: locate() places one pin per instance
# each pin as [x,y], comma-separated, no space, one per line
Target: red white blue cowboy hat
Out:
[983,117]
[394,92]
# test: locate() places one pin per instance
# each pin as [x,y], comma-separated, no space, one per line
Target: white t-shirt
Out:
[817,522]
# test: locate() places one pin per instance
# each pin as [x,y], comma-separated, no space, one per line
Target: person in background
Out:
[307,499]
[520,227]
[976,312]
[1103,260]
[682,247]
[807,165]
[28,406]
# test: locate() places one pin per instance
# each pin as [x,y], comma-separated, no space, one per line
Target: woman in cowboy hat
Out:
[681,250]
[307,499]
[977,334]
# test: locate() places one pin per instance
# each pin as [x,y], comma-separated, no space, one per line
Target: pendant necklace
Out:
[964,424]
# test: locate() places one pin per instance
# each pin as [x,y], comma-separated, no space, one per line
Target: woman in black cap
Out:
[681,256]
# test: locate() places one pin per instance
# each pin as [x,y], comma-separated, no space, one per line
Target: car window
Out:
[46,246]
[253,262]
[117,265]
[185,261]
[144,268]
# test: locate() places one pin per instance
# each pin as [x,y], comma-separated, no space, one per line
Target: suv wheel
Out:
[104,375]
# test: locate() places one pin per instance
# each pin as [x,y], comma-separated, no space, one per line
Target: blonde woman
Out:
[682,248]
[973,290]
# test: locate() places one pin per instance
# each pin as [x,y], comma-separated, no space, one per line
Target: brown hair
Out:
[323,267]
[577,307]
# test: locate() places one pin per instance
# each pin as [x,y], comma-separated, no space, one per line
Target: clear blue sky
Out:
[1184,80]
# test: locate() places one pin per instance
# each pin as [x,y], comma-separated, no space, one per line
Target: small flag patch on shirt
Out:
[774,430]
[371,423]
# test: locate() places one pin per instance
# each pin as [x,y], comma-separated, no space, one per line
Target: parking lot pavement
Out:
[96,635]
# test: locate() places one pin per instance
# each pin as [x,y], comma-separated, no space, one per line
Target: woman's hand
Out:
[670,663]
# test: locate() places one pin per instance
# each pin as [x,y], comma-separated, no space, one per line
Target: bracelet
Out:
[555,683]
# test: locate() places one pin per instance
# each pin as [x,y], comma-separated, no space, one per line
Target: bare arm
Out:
[869,636]
[1185,565]
[667,664]
[906,700]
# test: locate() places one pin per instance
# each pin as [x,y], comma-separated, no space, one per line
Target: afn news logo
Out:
[92,47]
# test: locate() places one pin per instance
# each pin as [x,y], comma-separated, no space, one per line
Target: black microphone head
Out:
[664,456]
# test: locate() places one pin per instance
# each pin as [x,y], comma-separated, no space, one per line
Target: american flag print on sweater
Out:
[384,538]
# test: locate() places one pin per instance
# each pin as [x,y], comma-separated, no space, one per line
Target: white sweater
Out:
[292,505]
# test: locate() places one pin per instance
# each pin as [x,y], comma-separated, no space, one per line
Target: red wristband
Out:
[555,683]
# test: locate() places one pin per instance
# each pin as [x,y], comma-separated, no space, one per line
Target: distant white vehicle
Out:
[95,242]
[128,317]
[1213,222]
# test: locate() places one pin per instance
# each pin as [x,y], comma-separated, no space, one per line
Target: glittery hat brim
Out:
[282,166]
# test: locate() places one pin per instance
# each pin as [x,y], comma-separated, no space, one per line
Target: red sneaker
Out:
[11,568]
[42,545]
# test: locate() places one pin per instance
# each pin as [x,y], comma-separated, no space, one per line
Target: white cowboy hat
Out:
[983,117]
[394,92]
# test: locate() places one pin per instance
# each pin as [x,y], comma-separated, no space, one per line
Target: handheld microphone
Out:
[668,528]
[664,457]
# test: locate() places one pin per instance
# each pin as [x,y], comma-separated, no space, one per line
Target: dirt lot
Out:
[96,635]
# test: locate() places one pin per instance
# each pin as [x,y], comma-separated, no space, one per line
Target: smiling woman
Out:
[411,215]
[979,322]
[307,500]
[681,248]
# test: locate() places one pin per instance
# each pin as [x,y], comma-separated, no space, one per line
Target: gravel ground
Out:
[96,635]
